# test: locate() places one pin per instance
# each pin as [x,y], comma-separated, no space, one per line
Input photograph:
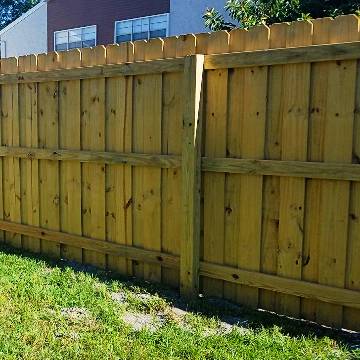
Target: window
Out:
[75,38]
[142,28]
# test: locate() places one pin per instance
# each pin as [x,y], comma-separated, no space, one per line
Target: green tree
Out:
[12,9]
[248,13]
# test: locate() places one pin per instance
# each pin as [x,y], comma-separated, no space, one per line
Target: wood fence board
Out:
[352,316]
[233,147]
[172,224]
[28,103]
[153,85]
[294,147]
[116,100]
[191,176]
[338,135]
[319,80]
[93,138]
[48,123]
[139,112]
[271,186]
[11,136]
[252,142]
[70,139]
[215,145]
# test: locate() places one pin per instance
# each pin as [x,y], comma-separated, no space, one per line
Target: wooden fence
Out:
[233,171]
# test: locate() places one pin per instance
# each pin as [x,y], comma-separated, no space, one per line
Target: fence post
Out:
[191,175]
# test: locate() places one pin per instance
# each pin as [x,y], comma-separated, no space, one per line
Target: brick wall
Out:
[67,14]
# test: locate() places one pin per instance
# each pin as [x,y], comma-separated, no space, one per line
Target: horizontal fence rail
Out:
[302,169]
[234,275]
[296,55]
[313,170]
[153,160]
[100,246]
[93,72]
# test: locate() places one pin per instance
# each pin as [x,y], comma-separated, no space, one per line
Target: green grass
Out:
[33,292]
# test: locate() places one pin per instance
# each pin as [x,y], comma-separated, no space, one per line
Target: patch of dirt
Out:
[119,297]
[140,322]
[75,314]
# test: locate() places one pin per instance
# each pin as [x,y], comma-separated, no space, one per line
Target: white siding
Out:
[26,35]
[186,15]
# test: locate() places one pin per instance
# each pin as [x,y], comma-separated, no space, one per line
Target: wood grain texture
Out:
[319,80]
[295,117]
[191,176]
[48,123]
[295,55]
[118,138]
[92,244]
[283,168]
[352,316]
[291,287]
[173,100]
[70,139]
[100,157]
[93,138]
[28,109]
[233,147]
[252,120]
[11,136]
[152,191]
[215,125]
[94,71]
[334,206]
[271,185]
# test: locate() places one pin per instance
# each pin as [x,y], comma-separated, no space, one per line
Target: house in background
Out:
[67,24]
[27,34]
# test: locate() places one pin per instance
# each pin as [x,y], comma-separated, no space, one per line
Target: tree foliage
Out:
[248,13]
[12,9]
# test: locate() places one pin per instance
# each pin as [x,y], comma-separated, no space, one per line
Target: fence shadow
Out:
[224,310]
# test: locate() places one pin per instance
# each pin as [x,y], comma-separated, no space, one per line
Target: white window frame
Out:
[2,49]
[68,31]
[144,17]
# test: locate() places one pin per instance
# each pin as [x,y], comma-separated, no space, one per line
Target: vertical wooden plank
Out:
[216,112]
[233,149]
[147,138]
[352,316]
[171,224]
[319,82]
[252,143]
[294,147]
[271,192]
[48,117]
[153,85]
[29,168]
[337,147]
[172,145]
[139,114]
[191,176]
[70,171]
[93,138]
[202,43]
[11,137]
[118,177]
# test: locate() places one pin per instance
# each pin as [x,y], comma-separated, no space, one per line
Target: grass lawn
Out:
[51,310]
